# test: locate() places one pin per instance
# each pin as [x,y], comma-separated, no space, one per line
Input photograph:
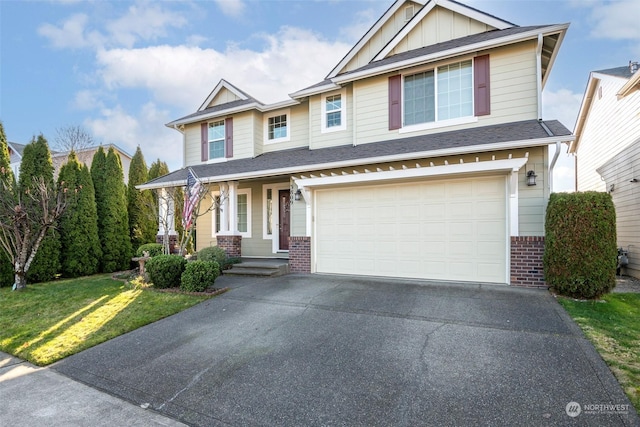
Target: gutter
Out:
[539,75]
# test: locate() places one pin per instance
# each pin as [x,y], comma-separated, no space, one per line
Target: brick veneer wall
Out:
[526,261]
[232,245]
[174,246]
[300,254]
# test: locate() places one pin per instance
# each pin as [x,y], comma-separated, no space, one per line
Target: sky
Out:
[122,69]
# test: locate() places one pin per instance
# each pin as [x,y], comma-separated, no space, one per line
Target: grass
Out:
[49,321]
[613,326]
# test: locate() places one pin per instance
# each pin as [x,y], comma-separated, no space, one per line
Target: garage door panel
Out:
[442,230]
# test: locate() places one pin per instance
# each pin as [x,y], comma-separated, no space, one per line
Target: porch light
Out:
[531,178]
[297,195]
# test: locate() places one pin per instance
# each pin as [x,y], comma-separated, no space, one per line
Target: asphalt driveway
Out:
[329,350]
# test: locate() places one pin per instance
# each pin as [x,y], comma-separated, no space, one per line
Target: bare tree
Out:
[74,138]
[25,219]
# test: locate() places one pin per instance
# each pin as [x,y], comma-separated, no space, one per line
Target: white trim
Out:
[315,90]
[222,84]
[274,236]
[506,165]
[482,148]
[231,213]
[343,112]
[514,215]
[632,85]
[441,55]
[265,126]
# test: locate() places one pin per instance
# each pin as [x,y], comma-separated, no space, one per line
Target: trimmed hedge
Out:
[165,270]
[580,254]
[199,275]
[154,249]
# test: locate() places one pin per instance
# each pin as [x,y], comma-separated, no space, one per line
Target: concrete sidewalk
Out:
[33,396]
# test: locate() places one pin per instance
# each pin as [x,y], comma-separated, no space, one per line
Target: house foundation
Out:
[232,245]
[526,261]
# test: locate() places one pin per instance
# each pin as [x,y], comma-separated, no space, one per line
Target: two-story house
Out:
[607,149]
[422,154]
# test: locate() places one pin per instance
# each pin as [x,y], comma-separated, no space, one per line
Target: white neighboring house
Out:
[607,149]
[59,158]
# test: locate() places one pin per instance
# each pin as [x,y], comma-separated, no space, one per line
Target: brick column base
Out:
[526,261]
[300,254]
[232,245]
[174,246]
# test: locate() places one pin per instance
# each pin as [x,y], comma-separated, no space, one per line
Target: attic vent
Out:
[408,12]
[633,67]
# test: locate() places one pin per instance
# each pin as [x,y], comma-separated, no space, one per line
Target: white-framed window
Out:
[271,209]
[243,213]
[216,140]
[441,94]
[334,111]
[277,126]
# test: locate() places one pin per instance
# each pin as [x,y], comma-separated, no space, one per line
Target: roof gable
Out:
[224,93]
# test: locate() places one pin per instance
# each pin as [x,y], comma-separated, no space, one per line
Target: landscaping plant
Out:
[165,270]
[199,275]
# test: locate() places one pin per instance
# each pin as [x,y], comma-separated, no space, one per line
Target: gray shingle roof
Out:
[217,108]
[307,160]
[617,72]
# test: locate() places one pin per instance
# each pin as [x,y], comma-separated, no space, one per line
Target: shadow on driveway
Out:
[332,350]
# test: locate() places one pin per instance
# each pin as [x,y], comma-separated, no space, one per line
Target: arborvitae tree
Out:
[142,225]
[6,175]
[37,163]
[81,251]
[113,220]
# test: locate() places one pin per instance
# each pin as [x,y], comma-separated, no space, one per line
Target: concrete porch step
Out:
[270,268]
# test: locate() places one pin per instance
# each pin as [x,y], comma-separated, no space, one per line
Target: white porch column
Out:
[224,208]
[233,207]
[162,211]
[514,218]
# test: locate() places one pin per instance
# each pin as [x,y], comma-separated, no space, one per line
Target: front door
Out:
[284,197]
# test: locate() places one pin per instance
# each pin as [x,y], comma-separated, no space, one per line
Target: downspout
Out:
[552,165]
[539,74]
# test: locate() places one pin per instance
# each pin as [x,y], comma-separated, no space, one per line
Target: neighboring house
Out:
[15,156]
[85,156]
[607,149]
[411,159]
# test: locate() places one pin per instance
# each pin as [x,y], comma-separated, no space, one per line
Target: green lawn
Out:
[50,321]
[613,326]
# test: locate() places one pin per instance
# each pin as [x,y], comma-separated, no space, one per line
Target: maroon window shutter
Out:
[482,98]
[204,142]
[395,96]
[228,135]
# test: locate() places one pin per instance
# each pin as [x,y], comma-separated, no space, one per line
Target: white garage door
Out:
[442,230]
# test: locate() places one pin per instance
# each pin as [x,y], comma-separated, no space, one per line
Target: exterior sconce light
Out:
[297,194]
[611,188]
[531,178]
[634,180]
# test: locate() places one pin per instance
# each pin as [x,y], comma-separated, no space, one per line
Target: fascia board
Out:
[314,91]
[505,165]
[629,86]
[222,83]
[583,112]
[509,145]
[462,9]
[462,50]
[554,55]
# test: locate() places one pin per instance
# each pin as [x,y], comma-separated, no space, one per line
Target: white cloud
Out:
[562,105]
[616,20]
[87,100]
[183,75]
[142,22]
[117,126]
[233,8]
[71,33]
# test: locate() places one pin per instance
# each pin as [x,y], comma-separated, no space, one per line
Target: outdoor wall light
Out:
[297,195]
[634,180]
[531,178]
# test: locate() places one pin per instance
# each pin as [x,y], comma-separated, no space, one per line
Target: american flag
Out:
[190,198]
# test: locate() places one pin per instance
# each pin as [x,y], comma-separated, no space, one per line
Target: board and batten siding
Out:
[438,26]
[611,125]
[223,97]
[619,172]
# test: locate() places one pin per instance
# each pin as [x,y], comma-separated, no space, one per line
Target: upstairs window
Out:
[216,140]
[334,106]
[277,127]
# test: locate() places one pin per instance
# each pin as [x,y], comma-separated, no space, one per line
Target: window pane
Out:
[217,204]
[269,218]
[277,127]
[216,149]
[334,119]
[419,98]
[216,139]
[334,103]
[242,213]
[455,90]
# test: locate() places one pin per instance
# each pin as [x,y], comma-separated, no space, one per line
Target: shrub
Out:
[154,249]
[199,275]
[580,244]
[213,253]
[6,270]
[165,270]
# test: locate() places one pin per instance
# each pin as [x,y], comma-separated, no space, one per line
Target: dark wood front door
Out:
[284,197]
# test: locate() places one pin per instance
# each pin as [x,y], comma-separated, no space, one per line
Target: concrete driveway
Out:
[329,350]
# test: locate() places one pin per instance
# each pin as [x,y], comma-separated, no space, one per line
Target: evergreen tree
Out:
[113,220]
[140,204]
[80,244]
[36,163]
[6,177]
